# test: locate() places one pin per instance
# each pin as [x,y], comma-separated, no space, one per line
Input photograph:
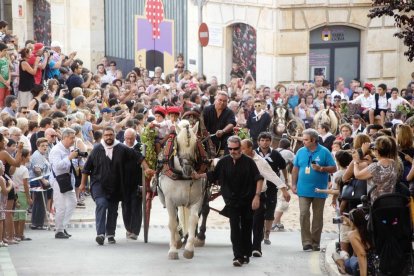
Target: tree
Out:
[403,13]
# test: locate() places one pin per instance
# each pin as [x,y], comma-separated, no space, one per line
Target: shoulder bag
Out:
[64,180]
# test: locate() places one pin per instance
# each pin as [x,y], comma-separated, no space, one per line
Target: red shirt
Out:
[38,75]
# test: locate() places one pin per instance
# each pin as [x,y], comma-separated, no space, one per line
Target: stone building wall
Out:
[283,29]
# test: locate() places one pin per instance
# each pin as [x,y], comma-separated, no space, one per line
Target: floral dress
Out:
[384,177]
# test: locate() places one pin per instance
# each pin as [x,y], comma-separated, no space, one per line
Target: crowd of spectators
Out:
[44,91]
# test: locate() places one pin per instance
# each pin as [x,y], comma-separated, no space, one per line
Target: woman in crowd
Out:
[385,172]
[363,261]
[326,138]
[404,136]
[345,131]
[9,161]
[26,77]
[39,168]
[37,93]
[78,162]
[318,102]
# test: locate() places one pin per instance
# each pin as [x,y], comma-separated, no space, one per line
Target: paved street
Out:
[80,255]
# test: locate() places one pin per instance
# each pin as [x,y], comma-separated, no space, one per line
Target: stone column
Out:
[22,12]
[79,26]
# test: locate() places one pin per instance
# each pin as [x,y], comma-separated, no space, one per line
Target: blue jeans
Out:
[351,266]
[106,214]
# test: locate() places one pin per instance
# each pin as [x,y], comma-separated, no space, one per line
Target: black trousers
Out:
[38,209]
[241,220]
[132,213]
[258,223]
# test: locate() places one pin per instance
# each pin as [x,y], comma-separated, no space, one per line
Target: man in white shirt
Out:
[269,175]
[60,158]
[339,90]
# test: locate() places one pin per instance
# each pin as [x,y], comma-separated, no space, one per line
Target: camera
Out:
[337,220]
[81,153]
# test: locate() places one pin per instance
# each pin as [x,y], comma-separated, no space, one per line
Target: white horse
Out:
[185,192]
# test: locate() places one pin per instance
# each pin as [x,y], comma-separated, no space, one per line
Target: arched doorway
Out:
[335,52]
[244,47]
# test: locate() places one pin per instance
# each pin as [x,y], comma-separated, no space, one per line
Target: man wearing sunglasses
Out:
[241,187]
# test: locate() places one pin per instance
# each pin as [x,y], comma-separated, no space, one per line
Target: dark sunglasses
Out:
[181,67]
[237,148]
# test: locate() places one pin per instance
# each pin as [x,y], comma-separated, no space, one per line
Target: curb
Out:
[330,265]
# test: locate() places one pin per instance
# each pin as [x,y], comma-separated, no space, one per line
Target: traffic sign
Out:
[203,34]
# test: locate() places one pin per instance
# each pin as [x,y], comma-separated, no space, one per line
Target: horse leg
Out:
[193,219]
[201,236]
[172,224]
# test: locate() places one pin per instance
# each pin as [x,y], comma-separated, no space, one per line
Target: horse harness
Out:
[171,150]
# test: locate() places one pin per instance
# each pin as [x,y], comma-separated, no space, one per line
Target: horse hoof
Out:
[179,244]
[199,243]
[188,254]
[173,255]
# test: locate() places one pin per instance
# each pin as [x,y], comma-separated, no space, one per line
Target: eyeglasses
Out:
[180,67]
[25,112]
[337,100]
[321,92]
[53,135]
[237,148]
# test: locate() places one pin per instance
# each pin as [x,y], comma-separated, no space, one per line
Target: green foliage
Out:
[148,139]
[243,133]
[402,11]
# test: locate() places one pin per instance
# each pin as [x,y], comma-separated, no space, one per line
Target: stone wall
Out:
[283,28]
[77,24]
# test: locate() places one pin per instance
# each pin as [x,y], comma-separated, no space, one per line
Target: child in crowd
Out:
[160,113]
[20,178]
[282,205]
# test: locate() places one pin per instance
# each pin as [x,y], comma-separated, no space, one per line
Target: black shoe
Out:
[307,248]
[316,248]
[111,240]
[237,262]
[256,253]
[246,260]
[61,235]
[67,234]
[100,239]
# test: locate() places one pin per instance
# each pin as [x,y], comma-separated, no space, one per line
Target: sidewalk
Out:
[329,262]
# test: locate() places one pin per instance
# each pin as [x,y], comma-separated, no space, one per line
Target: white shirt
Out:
[365,102]
[342,94]
[382,101]
[19,175]
[59,159]
[267,172]
[396,102]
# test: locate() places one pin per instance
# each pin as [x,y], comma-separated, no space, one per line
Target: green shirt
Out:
[4,70]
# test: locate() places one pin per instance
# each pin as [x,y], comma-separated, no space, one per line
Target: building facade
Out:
[278,41]
[297,38]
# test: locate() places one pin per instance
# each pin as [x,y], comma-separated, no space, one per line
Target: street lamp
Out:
[200,4]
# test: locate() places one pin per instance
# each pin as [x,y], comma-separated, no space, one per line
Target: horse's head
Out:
[186,143]
[280,118]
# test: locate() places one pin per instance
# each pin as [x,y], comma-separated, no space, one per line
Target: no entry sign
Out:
[203,34]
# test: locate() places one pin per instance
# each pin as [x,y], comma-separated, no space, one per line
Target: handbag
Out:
[354,189]
[64,180]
